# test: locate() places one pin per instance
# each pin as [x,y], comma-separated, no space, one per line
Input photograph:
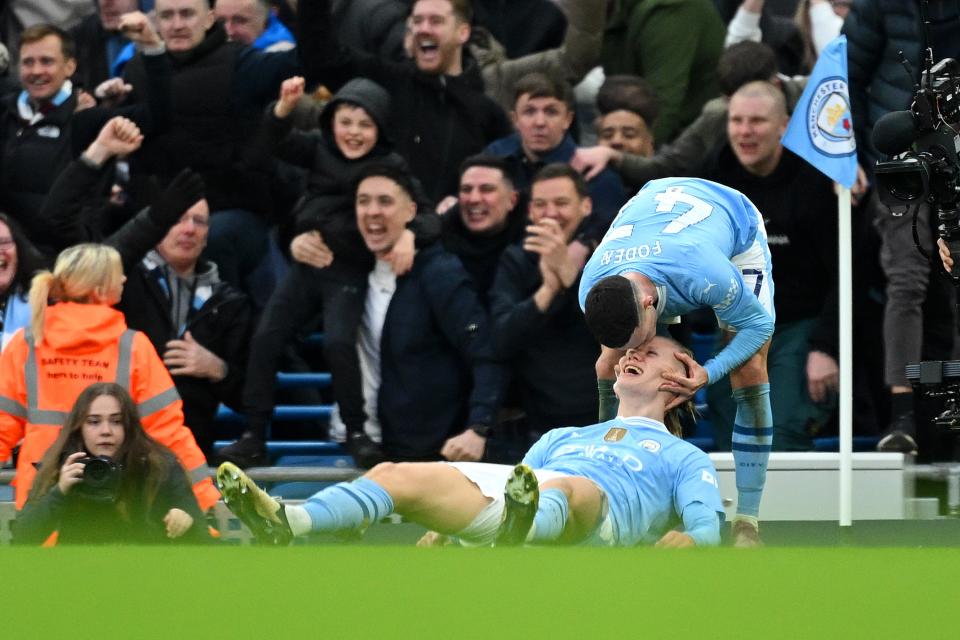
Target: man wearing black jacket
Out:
[200,325]
[425,340]
[799,212]
[447,117]
[539,331]
[43,128]
[218,92]
[487,218]
[99,42]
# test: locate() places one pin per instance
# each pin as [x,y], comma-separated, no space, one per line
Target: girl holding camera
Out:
[138,494]
[77,340]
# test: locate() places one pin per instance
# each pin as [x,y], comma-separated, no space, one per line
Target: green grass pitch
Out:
[391,591]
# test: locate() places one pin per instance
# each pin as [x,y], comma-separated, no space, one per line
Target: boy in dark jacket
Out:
[332,262]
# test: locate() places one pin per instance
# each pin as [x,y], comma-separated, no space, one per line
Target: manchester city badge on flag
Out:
[821,128]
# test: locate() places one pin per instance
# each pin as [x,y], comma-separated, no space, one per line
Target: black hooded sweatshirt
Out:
[328,204]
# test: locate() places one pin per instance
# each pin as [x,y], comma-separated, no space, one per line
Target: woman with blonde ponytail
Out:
[76,338]
[85,274]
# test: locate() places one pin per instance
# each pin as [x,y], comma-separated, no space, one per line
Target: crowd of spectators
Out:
[407,177]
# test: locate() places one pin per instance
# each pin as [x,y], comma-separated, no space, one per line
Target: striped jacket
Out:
[83,344]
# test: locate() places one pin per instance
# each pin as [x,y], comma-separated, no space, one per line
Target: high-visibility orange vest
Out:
[83,344]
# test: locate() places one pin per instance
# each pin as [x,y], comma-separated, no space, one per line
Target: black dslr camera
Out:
[926,139]
[101,479]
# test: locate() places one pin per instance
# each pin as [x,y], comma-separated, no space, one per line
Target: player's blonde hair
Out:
[673,419]
[86,273]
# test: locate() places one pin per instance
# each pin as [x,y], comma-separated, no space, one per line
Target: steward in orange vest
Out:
[83,344]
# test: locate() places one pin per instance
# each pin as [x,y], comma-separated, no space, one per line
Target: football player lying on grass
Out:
[623,482]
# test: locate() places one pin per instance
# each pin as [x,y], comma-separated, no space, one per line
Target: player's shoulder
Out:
[686,453]
[563,433]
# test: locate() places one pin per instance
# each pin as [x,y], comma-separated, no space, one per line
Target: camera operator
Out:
[917,315]
[106,481]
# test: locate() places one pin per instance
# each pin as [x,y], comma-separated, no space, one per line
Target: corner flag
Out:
[821,128]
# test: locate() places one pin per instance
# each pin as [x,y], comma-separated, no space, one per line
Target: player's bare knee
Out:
[563,484]
[750,373]
[381,470]
[389,475]
[584,497]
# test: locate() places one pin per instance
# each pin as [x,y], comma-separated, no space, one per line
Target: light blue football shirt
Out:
[681,233]
[649,475]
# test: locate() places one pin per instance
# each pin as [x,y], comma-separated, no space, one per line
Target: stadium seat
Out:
[303,453]
[282,412]
[702,345]
[330,453]
[860,443]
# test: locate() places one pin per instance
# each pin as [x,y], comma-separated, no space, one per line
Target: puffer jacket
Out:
[83,344]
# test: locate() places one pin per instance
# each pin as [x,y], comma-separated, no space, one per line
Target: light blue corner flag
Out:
[821,128]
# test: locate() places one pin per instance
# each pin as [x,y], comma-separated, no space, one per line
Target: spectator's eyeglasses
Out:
[6,242]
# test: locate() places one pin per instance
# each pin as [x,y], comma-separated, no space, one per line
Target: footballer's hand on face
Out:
[684,386]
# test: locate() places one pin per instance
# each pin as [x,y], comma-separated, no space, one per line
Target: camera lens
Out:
[96,471]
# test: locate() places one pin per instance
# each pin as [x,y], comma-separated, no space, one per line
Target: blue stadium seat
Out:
[301,380]
[860,443]
[298,448]
[282,412]
[702,345]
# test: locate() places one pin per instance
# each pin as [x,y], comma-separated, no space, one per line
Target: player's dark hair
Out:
[489,162]
[628,93]
[745,62]
[562,170]
[611,311]
[542,85]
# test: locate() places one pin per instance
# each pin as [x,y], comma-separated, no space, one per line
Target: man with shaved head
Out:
[799,211]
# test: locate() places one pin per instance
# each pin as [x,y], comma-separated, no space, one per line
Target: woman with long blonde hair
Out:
[76,338]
